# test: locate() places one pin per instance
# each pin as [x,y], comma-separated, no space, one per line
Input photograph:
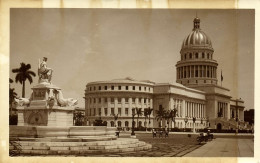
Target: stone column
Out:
[206,71]
[151,103]
[123,106]
[109,106]
[190,71]
[183,108]
[142,103]
[199,75]
[130,100]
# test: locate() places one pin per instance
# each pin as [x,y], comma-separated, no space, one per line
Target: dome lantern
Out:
[196,23]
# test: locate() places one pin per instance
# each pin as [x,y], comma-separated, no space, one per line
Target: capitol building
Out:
[196,93]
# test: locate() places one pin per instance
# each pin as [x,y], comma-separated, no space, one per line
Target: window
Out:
[149,89]
[94,88]
[94,100]
[190,55]
[90,100]
[203,55]
[184,56]
[139,88]
[90,111]
[133,87]
[99,88]
[126,123]
[99,111]
[126,100]
[119,100]
[105,99]
[145,101]
[112,100]
[140,100]
[126,111]
[112,111]
[94,111]
[208,56]
[144,88]
[112,123]
[105,87]
[119,111]
[119,123]
[112,87]
[119,87]
[89,88]
[197,55]
[105,111]
[126,87]
[133,100]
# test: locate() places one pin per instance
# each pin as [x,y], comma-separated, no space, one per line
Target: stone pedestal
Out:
[46,108]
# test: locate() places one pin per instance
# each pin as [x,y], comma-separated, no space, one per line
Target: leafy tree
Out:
[160,114]
[12,94]
[23,73]
[78,118]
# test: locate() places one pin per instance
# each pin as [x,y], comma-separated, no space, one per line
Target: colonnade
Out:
[195,110]
[196,71]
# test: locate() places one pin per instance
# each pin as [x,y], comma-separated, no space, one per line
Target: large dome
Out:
[197,38]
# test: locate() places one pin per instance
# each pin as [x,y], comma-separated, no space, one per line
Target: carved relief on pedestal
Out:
[36,117]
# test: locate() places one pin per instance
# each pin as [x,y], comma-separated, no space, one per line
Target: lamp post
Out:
[194,120]
[185,120]
[133,121]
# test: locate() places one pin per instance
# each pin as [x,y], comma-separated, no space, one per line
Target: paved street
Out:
[225,147]
[172,146]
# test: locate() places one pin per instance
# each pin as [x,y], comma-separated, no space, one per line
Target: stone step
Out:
[65,148]
[65,151]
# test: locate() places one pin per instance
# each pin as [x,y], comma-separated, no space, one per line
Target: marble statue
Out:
[44,72]
[21,101]
[65,102]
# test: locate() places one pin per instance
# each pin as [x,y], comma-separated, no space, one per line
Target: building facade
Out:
[195,95]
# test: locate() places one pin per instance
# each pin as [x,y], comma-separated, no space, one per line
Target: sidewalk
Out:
[225,147]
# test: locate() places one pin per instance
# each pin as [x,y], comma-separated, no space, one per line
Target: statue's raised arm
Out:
[44,72]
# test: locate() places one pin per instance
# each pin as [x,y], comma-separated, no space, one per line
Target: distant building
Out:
[196,93]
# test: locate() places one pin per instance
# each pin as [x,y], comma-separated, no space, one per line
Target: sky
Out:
[86,45]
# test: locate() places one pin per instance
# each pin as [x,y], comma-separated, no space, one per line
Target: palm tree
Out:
[23,73]
[149,112]
[168,116]
[145,116]
[160,114]
[139,113]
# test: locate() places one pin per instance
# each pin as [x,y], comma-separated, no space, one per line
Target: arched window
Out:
[196,55]
[145,124]
[126,123]
[112,123]
[190,55]
[140,124]
[119,123]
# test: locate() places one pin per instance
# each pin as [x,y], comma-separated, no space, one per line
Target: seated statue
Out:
[44,72]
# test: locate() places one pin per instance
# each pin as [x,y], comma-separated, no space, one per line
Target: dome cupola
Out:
[196,66]
[197,38]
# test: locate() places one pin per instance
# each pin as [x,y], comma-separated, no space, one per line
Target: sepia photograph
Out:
[131,82]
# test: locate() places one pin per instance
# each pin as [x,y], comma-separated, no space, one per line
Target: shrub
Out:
[13,119]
